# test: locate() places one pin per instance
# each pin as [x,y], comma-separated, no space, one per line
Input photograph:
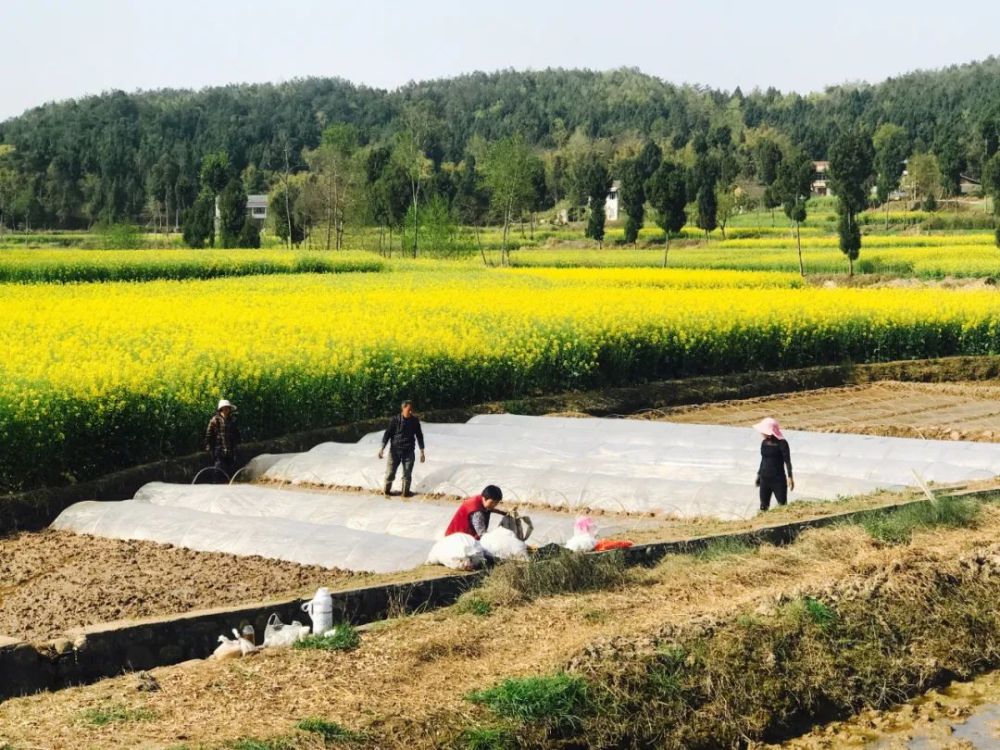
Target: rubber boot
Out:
[387,489]
[406,488]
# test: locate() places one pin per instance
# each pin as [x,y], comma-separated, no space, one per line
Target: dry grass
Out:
[404,685]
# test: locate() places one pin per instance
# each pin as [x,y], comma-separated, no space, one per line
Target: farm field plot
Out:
[52,581]
[65,266]
[100,376]
[941,411]
[921,256]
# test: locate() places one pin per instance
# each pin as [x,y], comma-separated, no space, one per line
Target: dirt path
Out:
[943,411]
[404,684]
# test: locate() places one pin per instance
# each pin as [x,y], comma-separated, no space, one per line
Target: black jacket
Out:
[403,432]
[774,458]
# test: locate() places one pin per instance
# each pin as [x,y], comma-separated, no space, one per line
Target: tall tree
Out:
[335,173]
[213,177]
[595,181]
[991,187]
[793,186]
[851,158]
[667,190]
[288,220]
[891,146]
[408,155]
[232,213]
[386,192]
[632,195]
[198,221]
[507,168]
[924,175]
[8,185]
[767,156]
[704,176]
[633,175]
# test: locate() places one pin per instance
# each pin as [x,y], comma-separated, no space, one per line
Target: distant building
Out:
[821,178]
[611,202]
[257,208]
[969,185]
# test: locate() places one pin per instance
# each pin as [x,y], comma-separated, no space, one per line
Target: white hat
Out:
[224,402]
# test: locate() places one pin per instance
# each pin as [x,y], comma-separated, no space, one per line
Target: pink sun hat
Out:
[769,426]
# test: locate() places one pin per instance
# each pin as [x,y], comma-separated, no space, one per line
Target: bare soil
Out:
[53,581]
[941,411]
[404,685]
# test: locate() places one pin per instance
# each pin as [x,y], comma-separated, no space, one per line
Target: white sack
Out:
[458,552]
[503,544]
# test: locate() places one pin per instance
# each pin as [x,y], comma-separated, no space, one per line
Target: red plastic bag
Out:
[603,545]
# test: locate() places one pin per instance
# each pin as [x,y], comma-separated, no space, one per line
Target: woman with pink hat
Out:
[774,459]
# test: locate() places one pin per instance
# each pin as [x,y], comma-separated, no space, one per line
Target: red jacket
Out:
[461,523]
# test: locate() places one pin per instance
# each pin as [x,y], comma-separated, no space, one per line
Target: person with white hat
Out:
[775,458]
[223,437]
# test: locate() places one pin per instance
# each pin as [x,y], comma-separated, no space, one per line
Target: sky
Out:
[55,50]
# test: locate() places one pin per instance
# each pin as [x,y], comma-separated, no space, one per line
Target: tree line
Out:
[330,152]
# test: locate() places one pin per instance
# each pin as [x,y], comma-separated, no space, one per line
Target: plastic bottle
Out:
[320,610]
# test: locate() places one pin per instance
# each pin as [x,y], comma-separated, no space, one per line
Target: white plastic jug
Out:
[320,610]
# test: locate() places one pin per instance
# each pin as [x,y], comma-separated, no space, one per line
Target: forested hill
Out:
[107,156]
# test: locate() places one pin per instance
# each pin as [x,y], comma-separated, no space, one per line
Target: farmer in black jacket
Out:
[223,437]
[404,434]
[775,459]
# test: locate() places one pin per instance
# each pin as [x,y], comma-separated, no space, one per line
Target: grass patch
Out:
[724,547]
[344,637]
[117,714]
[517,582]
[558,700]
[818,612]
[487,738]
[329,731]
[899,526]
[473,604]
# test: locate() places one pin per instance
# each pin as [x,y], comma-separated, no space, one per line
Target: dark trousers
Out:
[776,485]
[224,462]
[392,463]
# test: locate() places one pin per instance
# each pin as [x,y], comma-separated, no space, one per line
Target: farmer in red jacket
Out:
[473,515]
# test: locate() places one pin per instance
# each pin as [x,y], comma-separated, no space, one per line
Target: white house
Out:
[257,207]
[611,202]
[821,178]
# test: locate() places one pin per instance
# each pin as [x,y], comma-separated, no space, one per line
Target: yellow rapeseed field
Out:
[96,376]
